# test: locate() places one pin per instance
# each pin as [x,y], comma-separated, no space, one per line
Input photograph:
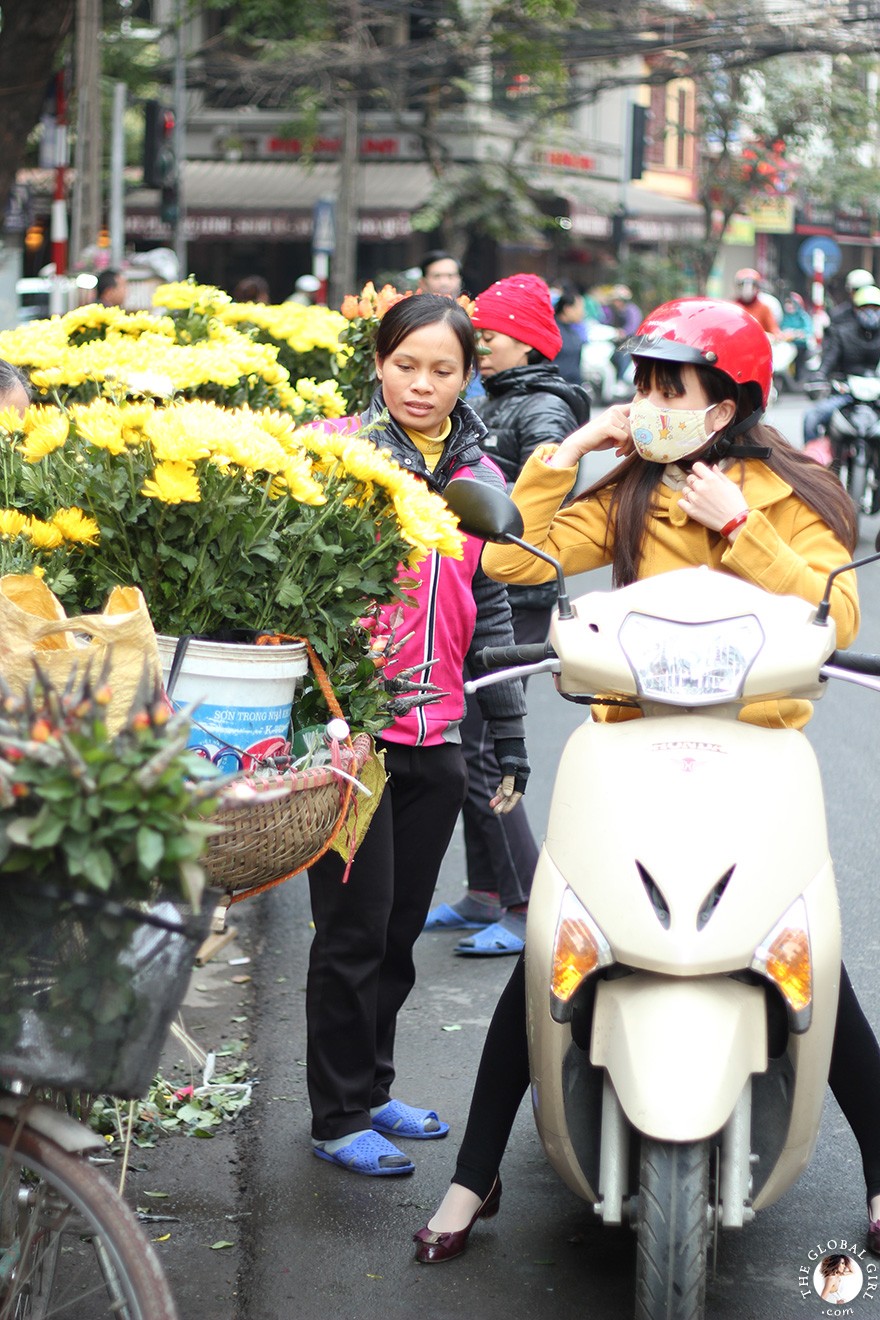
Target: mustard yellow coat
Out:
[784,547]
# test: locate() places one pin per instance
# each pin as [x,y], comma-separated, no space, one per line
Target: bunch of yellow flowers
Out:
[225,518]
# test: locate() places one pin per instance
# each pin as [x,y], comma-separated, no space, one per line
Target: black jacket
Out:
[847,349]
[526,407]
[503,705]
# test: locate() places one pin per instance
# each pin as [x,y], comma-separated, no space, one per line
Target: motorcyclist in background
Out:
[855,280]
[851,347]
[747,284]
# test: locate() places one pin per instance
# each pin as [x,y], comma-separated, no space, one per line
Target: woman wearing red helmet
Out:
[702,482]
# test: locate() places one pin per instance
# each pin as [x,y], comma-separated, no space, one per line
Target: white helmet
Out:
[858,279]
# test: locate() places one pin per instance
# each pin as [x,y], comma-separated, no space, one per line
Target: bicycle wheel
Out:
[70,1247]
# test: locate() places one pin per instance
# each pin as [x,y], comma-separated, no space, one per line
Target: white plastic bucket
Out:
[245,695]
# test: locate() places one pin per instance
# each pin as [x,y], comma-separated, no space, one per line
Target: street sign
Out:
[324,227]
[824,244]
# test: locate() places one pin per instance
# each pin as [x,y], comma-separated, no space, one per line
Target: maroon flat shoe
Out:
[872,1241]
[435,1247]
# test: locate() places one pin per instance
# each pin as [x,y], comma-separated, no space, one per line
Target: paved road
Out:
[322,1243]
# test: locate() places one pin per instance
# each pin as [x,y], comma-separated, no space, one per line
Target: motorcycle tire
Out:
[673,1231]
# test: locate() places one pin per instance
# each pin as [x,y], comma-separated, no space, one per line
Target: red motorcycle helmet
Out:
[709,332]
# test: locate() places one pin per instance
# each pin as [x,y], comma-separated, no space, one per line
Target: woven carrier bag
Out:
[287,822]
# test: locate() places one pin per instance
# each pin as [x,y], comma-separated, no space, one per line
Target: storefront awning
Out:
[276,199]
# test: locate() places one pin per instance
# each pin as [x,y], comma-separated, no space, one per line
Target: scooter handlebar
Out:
[857,662]
[501,657]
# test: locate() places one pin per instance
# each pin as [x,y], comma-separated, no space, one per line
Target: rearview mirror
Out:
[483,511]
[490,514]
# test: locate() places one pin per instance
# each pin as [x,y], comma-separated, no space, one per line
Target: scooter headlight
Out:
[693,664]
[786,959]
[840,424]
[579,949]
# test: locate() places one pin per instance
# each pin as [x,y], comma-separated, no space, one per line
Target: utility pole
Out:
[58,221]
[87,207]
[117,176]
[344,269]
[179,226]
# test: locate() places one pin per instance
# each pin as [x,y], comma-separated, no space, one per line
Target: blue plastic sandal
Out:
[445,917]
[492,942]
[400,1120]
[365,1155]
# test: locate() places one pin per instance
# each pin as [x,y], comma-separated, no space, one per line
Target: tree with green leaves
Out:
[453,56]
[31,36]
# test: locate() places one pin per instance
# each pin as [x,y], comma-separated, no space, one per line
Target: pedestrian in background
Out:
[797,325]
[441,273]
[569,312]
[252,289]
[111,288]
[527,403]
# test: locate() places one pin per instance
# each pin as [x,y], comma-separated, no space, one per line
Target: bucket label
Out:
[233,737]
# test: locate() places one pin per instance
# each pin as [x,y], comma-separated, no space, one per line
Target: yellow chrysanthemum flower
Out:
[185,294]
[10,421]
[74,525]
[176,436]
[173,483]
[12,523]
[44,536]
[301,484]
[100,424]
[45,430]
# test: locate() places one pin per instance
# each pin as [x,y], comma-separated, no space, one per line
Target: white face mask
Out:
[665,436]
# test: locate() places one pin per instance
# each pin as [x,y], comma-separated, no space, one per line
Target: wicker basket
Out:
[88,988]
[282,826]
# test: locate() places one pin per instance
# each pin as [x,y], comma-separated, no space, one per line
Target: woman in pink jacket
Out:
[361,966]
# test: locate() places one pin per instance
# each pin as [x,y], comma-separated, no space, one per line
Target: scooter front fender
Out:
[677,1051]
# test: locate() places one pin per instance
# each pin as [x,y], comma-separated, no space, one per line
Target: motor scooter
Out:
[683,945]
[598,370]
[854,433]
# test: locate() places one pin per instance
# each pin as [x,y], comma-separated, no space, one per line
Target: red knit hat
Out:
[520,306]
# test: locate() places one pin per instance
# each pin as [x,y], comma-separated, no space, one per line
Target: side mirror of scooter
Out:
[489,513]
[483,511]
[824,608]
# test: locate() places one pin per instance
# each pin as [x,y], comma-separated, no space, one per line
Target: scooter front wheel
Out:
[673,1231]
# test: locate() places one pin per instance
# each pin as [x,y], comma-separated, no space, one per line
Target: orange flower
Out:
[367,300]
[386,299]
[467,303]
[349,308]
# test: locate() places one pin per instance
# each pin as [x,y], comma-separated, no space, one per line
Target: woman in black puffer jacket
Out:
[527,403]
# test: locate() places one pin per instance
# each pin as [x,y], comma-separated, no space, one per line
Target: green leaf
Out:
[150,848]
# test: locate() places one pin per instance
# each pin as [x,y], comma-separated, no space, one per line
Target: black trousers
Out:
[361,965]
[503,1079]
[500,851]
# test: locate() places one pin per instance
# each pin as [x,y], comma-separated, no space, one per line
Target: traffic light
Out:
[168,206]
[159,162]
[638,140]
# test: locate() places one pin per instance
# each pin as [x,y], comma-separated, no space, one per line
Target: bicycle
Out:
[70,1246]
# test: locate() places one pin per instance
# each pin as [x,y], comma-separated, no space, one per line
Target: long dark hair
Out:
[426,309]
[629,490]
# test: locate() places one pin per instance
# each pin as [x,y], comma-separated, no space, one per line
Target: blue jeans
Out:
[816,419]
